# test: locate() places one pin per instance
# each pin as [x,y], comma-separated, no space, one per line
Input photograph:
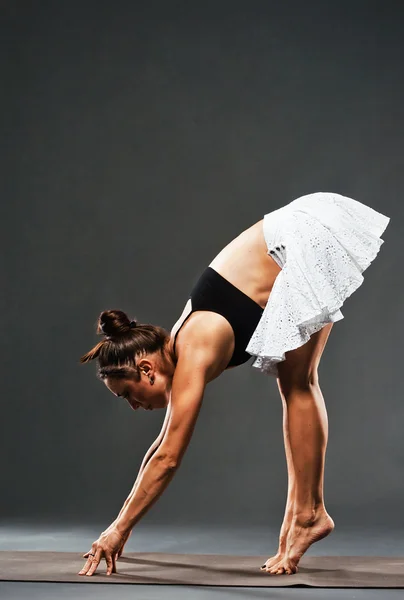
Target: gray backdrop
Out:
[138,139]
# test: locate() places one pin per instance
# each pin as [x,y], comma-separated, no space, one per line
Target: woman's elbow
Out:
[168,459]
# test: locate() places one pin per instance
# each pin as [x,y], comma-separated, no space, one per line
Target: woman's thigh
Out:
[300,366]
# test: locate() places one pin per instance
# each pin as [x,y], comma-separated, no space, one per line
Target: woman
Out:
[273,293]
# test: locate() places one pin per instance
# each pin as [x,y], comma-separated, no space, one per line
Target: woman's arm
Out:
[188,387]
[155,445]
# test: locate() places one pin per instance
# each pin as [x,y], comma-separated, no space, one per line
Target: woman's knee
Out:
[297,381]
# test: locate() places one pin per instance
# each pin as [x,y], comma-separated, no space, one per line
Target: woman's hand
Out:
[109,546]
[125,539]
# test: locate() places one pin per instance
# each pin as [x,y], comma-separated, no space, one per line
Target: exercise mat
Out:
[205,569]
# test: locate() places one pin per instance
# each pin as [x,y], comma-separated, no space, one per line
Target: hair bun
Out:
[113,323]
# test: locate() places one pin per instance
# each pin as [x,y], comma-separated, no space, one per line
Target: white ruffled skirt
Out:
[323,242]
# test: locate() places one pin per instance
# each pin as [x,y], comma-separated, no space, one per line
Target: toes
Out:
[283,567]
[276,569]
[270,562]
[284,571]
[273,567]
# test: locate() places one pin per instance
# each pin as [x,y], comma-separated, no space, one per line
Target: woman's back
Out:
[243,264]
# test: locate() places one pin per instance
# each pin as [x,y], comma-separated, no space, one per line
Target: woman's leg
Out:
[289,510]
[305,436]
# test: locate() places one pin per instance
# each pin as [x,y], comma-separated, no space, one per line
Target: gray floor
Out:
[146,538]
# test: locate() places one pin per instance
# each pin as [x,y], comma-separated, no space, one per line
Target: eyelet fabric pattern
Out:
[323,242]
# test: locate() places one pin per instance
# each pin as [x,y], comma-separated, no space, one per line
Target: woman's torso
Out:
[244,263]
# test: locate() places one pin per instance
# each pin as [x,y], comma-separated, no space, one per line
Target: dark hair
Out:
[124,340]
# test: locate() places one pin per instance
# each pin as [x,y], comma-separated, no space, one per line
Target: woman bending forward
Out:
[273,293]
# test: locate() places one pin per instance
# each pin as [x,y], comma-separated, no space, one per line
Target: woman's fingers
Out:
[86,566]
[109,546]
[111,565]
[90,560]
[89,556]
[95,562]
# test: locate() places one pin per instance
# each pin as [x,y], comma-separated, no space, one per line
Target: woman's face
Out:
[142,394]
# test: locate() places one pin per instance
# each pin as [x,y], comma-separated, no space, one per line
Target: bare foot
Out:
[283,536]
[301,536]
